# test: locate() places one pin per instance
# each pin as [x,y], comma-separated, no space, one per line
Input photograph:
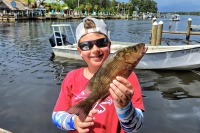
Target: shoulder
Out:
[76,72]
[73,75]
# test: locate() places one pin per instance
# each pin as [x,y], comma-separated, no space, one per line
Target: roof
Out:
[19,5]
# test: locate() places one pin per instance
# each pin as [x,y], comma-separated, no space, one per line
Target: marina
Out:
[31,77]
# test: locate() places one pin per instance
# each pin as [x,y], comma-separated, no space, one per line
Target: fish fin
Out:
[81,111]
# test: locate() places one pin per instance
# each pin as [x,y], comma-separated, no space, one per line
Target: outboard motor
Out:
[58,39]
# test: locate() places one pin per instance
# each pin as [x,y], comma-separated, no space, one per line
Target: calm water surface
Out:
[30,78]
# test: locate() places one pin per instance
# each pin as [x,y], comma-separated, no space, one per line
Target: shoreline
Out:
[63,17]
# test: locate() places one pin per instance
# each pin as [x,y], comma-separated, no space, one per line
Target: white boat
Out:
[181,57]
[175,17]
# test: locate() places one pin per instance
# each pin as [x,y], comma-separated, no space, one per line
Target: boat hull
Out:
[184,59]
[66,52]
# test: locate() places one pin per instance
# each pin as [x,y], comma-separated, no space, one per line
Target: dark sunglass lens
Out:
[102,42]
[85,46]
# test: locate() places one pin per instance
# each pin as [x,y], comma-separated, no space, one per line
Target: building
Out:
[11,10]
[8,6]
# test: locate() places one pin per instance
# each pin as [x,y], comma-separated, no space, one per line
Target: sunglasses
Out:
[88,45]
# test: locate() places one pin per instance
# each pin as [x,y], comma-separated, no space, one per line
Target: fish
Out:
[121,63]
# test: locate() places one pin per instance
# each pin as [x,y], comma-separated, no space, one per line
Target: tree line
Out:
[110,6]
[185,13]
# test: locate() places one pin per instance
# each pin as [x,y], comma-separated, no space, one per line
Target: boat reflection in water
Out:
[173,85]
[178,85]
[63,66]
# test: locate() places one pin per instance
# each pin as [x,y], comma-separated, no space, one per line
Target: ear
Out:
[109,43]
[79,50]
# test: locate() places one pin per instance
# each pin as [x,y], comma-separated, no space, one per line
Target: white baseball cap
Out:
[101,27]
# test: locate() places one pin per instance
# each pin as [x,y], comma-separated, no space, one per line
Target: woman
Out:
[121,111]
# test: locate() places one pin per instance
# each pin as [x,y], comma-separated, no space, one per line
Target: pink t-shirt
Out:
[106,121]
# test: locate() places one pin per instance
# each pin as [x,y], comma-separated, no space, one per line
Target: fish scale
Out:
[122,64]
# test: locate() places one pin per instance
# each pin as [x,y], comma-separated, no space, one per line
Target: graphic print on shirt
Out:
[101,107]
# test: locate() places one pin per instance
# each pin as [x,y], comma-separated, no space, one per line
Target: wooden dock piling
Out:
[159,33]
[154,33]
[153,20]
[188,29]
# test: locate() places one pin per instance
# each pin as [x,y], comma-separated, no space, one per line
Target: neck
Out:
[89,72]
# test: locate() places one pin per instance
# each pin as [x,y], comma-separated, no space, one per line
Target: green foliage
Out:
[55,6]
[185,13]
[111,6]
[29,2]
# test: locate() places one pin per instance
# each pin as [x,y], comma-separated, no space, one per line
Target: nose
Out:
[95,50]
[95,47]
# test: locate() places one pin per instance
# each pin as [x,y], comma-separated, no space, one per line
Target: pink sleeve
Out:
[137,97]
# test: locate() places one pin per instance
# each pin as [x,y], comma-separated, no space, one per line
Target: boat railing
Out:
[63,29]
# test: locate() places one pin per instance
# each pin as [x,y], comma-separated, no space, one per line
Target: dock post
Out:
[153,20]
[188,29]
[154,33]
[159,33]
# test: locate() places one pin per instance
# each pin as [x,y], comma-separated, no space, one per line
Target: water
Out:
[30,78]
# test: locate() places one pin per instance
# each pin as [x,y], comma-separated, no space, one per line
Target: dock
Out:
[195,27]
[181,32]
[157,31]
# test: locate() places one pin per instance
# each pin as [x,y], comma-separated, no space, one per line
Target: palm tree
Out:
[81,8]
[30,3]
[128,6]
[47,6]
[96,8]
[88,7]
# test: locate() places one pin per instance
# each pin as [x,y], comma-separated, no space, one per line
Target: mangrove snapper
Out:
[120,63]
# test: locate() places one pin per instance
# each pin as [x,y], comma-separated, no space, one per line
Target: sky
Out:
[176,5]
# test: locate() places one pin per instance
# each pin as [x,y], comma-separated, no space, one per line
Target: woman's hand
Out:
[83,127]
[122,92]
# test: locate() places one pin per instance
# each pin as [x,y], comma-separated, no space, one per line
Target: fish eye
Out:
[134,49]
